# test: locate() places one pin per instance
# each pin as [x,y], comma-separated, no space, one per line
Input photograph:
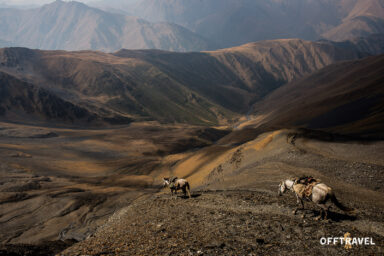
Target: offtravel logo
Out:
[347,241]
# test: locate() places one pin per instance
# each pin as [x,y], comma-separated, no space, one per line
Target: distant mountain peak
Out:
[61,3]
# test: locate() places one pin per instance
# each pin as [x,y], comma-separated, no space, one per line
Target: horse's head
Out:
[166,182]
[282,188]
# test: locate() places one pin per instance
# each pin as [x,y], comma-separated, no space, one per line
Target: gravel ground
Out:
[226,223]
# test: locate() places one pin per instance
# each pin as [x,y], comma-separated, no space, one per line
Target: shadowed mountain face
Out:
[347,98]
[197,88]
[234,22]
[23,102]
[75,26]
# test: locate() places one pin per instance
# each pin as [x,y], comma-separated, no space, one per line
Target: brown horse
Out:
[177,184]
[320,195]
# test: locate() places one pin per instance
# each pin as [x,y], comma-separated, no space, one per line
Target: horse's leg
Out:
[326,211]
[302,207]
[188,189]
[299,201]
[185,191]
[323,212]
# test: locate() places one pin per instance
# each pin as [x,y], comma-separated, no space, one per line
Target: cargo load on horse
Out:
[304,186]
[313,190]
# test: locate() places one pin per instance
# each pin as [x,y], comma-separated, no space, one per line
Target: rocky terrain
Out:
[57,185]
[98,192]
[235,222]
[236,210]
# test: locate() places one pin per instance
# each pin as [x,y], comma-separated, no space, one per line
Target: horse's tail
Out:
[188,189]
[340,205]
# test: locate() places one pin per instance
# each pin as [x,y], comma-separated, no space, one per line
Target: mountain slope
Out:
[197,88]
[75,26]
[237,77]
[347,97]
[357,26]
[111,86]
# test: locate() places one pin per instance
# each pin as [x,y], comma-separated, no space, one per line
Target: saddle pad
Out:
[299,190]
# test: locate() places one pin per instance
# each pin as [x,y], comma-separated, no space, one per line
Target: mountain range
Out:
[76,26]
[206,88]
[235,22]
[177,25]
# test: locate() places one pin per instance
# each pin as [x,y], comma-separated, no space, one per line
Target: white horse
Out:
[320,195]
[177,184]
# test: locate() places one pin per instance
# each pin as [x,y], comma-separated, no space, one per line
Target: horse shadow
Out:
[194,195]
[336,216]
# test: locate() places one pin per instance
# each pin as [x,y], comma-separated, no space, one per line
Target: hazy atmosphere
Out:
[202,127]
[36,2]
